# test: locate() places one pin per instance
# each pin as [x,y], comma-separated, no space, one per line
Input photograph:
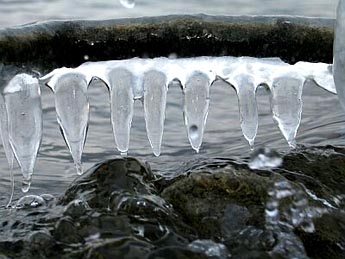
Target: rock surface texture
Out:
[119,208]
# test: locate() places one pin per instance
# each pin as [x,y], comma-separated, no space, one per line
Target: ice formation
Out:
[339,53]
[155,97]
[72,109]
[6,144]
[196,102]
[286,95]
[120,83]
[24,123]
[148,80]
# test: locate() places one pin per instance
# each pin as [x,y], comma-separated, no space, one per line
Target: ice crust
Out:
[148,80]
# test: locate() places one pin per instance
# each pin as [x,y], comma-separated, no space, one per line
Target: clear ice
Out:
[339,53]
[245,86]
[24,122]
[72,109]
[155,97]
[286,104]
[196,102]
[120,83]
[148,80]
[6,144]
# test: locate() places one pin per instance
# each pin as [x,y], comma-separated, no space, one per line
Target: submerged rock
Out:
[219,209]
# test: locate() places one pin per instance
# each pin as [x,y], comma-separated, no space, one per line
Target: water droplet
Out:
[128,3]
[86,57]
[265,158]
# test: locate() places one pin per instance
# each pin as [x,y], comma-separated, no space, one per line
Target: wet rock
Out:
[104,225]
[113,177]
[328,241]
[320,169]
[56,44]
[11,249]
[66,231]
[120,248]
[206,198]
[76,208]
[210,248]
[41,244]
[213,209]
[173,252]
[234,219]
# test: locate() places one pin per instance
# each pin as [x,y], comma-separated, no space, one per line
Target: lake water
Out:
[323,120]
[14,12]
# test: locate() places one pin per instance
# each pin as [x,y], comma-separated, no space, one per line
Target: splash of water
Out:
[265,158]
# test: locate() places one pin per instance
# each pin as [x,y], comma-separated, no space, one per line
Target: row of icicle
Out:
[148,80]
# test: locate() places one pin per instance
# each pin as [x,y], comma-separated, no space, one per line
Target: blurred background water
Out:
[323,120]
[14,12]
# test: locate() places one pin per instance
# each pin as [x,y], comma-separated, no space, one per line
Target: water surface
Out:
[15,12]
[323,121]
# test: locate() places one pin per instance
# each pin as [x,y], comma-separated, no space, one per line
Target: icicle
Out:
[196,103]
[286,104]
[155,96]
[246,87]
[6,144]
[4,132]
[339,53]
[121,83]
[24,110]
[320,73]
[72,109]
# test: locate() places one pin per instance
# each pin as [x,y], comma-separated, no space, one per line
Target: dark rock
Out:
[119,209]
[54,44]
[320,169]
[328,241]
[175,253]
[76,208]
[41,244]
[104,225]
[205,199]
[120,248]
[66,231]
[113,177]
